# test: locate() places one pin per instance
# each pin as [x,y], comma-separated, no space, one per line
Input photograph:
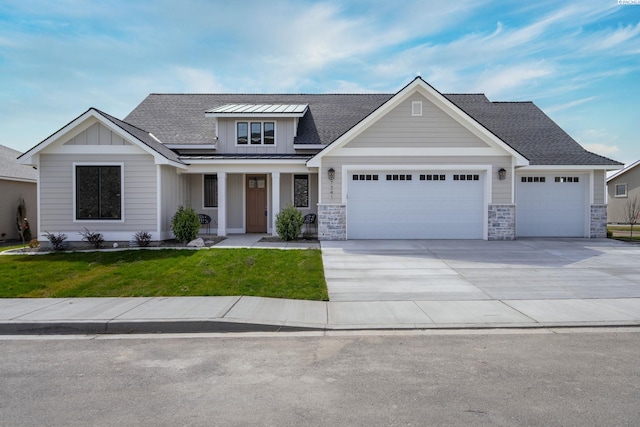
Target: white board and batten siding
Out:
[552,204]
[283,133]
[56,203]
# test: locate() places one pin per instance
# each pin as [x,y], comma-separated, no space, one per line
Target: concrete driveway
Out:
[458,270]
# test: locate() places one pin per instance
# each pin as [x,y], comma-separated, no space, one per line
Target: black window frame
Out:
[246,134]
[95,189]
[305,195]
[210,190]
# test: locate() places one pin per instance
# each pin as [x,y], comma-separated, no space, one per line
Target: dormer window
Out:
[255,133]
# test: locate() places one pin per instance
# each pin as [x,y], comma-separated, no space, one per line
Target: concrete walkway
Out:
[443,265]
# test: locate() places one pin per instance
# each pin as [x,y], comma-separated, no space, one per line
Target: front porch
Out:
[246,203]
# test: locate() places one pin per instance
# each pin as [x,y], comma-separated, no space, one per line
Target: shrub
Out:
[289,223]
[94,238]
[142,238]
[185,224]
[56,240]
[33,243]
[609,234]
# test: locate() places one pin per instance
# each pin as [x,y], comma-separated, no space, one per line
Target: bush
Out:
[289,223]
[609,234]
[185,224]
[142,238]
[56,240]
[94,238]
[33,243]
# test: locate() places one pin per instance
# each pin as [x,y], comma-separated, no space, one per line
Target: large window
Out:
[301,191]
[98,192]
[255,133]
[211,191]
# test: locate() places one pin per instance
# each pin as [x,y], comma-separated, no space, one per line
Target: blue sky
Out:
[579,60]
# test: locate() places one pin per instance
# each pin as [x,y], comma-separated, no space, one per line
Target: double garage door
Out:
[415,204]
[552,205]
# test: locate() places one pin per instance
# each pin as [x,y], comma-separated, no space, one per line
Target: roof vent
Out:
[416,108]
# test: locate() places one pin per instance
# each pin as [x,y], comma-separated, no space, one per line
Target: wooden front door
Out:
[256,203]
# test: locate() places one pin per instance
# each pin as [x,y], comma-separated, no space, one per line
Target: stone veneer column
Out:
[598,228]
[332,222]
[502,222]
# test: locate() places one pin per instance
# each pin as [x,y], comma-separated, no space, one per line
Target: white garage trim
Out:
[347,169]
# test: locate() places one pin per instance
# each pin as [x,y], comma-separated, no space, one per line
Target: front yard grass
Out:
[295,274]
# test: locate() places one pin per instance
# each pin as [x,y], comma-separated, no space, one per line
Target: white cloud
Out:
[193,80]
[609,39]
[602,149]
[497,81]
[569,105]
[598,141]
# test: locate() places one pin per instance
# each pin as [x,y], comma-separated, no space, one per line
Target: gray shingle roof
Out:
[180,119]
[10,167]
[528,130]
[143,136]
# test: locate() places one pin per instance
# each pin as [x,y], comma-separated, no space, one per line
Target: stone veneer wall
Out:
[332,222]
[502,222]
[598,228]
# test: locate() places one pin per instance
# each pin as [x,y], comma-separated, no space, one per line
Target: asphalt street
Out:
[568,377]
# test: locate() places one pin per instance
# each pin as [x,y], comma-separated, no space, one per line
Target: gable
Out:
[629,176]
[428,126]
[485,143]
[97,134]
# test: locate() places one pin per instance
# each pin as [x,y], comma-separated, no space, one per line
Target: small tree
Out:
[289,223]
[185,224]
[632,212]
[22,223]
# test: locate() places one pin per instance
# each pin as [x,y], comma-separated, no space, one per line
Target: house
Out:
[417,164]
[16,180]
[622,187]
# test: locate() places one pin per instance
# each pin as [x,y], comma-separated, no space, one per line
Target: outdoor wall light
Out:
[502,174]
[332,174]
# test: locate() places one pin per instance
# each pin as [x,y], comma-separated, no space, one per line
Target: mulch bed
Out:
[83,246]
[274,239]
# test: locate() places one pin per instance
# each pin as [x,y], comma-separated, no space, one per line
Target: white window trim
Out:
[626,190]
[262,122]
[204,207]
[122,194]
[293,190]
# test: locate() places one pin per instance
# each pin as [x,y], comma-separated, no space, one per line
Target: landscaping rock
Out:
[197,243]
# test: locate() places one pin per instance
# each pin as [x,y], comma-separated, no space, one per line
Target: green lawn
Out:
[296,274]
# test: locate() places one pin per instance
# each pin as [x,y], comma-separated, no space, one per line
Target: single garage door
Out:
[551,205]
[415,205]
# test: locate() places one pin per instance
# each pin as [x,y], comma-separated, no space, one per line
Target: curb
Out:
[213,326]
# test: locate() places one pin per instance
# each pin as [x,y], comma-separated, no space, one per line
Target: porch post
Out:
[275,200]
[222,204]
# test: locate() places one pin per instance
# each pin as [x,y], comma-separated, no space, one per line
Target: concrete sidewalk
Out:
[245,314]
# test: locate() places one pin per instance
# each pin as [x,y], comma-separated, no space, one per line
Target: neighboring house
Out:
[622,187]
[16,180]
[416,164]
